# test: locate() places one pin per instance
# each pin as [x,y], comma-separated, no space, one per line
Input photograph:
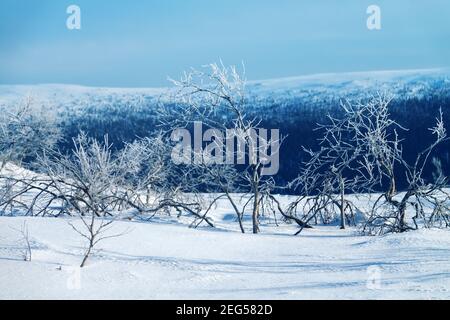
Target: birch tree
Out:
[361,152]
[205,95]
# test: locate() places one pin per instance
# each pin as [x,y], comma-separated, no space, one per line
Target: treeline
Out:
[295,113]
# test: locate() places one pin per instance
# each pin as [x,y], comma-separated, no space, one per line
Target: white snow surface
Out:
[164,259]
[66,95]
[168,260]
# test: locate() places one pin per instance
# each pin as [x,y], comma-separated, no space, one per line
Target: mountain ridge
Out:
[310,81]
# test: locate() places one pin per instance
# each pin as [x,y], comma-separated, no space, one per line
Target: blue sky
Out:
[140,43]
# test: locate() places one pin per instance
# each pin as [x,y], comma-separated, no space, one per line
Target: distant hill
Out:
[293,105]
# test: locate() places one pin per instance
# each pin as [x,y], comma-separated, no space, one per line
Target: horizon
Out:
[390,72]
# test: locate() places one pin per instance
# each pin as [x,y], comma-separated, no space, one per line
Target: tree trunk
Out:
[255,213]
[86,256]
[392,188]
[402,222]
[147,197]
[342,207]
[239,217]
[402,212]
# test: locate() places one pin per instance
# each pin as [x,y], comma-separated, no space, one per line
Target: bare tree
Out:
[429,200]
[84,181]
[201,97]
[146,166]
[152,183]
[94,230]
[339,167]
[362,152]
[26,130]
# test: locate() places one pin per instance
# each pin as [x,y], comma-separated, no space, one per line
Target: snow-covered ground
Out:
[162,260]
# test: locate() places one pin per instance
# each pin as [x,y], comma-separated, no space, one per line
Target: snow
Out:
[165,259]
[358,78]
[330,83]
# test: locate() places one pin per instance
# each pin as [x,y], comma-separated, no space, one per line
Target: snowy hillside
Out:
[170,261]
[293,105]
[351,79]
[332,83]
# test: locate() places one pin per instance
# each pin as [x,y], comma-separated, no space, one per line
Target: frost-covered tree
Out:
[85,181]
[427,201]
[26,130]
[341,165]
[362,152]
[146,166]
[200,96]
